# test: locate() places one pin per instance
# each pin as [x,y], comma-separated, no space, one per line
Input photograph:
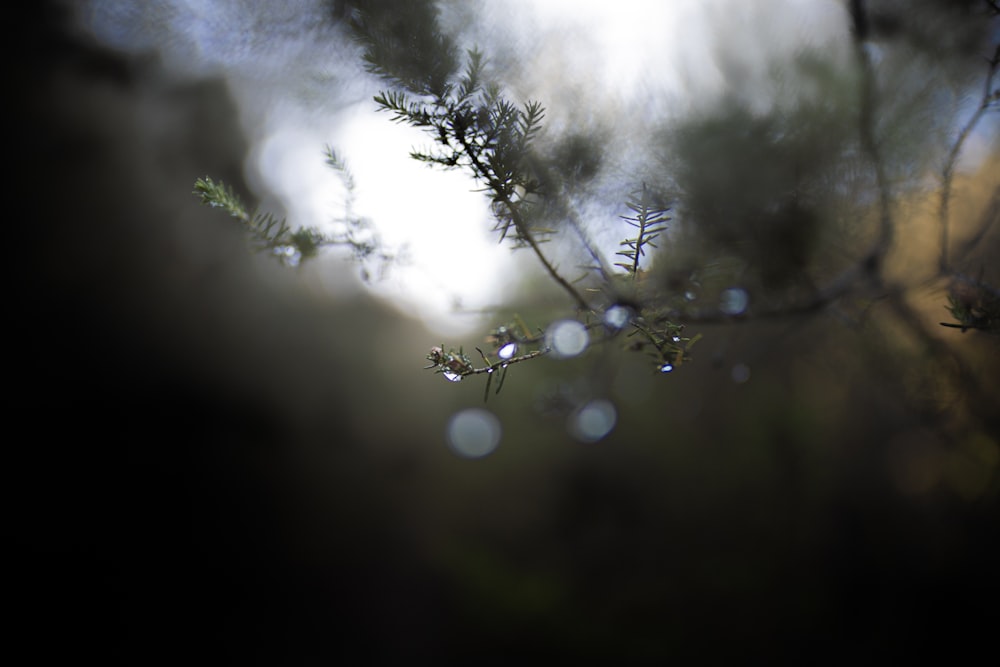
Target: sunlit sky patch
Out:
[435,219]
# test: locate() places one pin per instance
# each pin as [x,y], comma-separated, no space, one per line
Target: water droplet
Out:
[740,373]
[593,421]
[567,338]
[288,254]
[473,433]
[666,368]
[507,351]
[452,377]
[734,301]
[617,316]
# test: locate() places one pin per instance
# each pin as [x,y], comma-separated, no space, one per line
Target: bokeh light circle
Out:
[740,373]
[617,316]
[593,421]
[734,301]
[473,433]
[567,338]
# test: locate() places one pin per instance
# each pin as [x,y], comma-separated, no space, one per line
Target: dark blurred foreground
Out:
[194,474]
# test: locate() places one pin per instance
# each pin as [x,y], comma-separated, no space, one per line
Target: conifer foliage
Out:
[476,127]
[789,209]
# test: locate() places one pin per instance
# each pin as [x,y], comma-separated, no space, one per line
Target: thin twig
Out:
[949,168]
[505,362]
[872,263]
[519,223]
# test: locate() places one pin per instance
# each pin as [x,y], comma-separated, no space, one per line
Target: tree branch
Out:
[948,173]
[523,231]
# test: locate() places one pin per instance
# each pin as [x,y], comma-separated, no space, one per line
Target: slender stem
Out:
[949,167]
[573,219]
[866,129]
[522,228]
[506,362]
[643,219]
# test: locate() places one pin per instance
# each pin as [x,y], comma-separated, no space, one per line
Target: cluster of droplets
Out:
[452,365]
[288,255]
[677,352]
[666,345]
[475,432]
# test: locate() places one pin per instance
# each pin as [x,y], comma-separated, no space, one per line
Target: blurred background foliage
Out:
[211,456]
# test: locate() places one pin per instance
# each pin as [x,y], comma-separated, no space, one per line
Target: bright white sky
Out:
[299,89]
